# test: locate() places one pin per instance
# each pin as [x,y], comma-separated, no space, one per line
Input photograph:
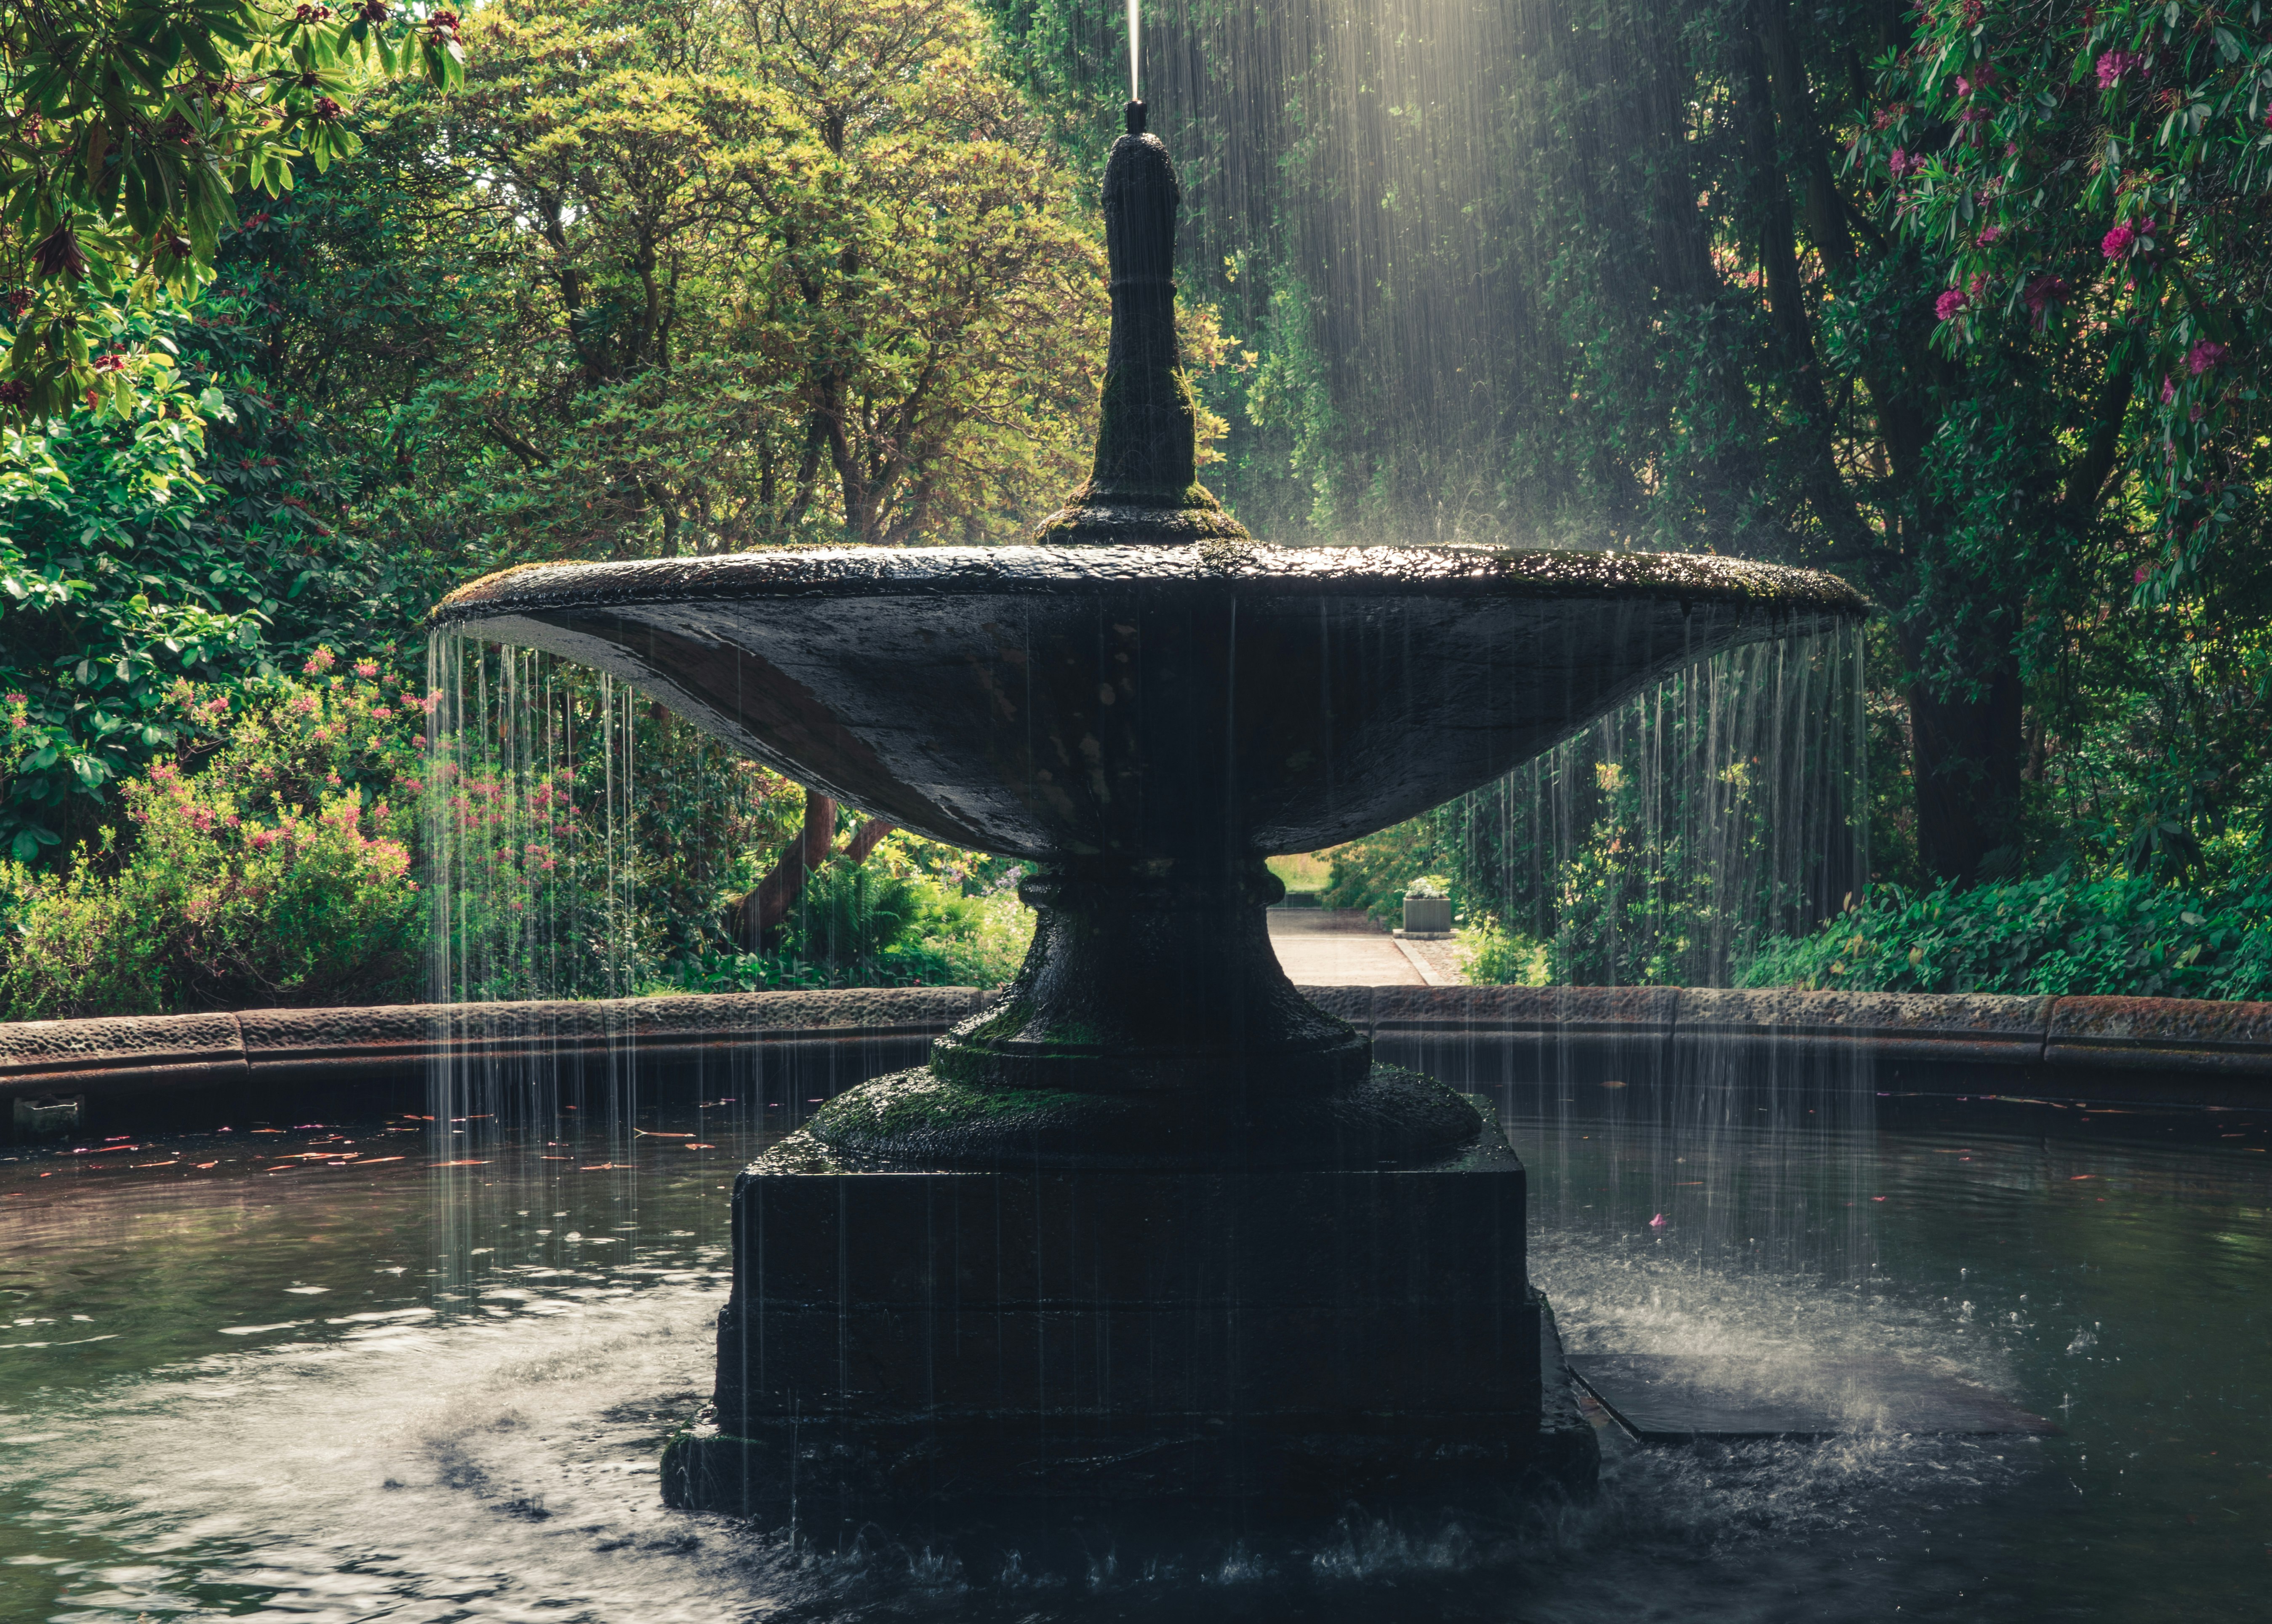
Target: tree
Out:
[784,271]
[2106,169]
[133,126]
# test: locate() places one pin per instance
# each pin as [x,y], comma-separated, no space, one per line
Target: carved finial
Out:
[1142,488]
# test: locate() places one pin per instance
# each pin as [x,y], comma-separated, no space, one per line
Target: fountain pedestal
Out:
[1152,1228]
[1290,1338]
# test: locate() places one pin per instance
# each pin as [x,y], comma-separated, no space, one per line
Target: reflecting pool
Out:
[321,1373]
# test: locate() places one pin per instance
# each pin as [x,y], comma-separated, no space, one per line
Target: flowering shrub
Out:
[267,862]
[2106,166]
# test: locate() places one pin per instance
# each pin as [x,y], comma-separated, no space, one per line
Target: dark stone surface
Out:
[1154,980]
[2163,1052]
[1668,1398]
[1145,485]
[1201,704]
[2161,1034]
[125,1054]
[1953,1027]
[1384,1116]
[1289,1337]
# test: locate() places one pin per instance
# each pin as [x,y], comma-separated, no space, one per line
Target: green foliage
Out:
[1373,873]
[132,130]
[899,928]
[753,275]
[266,861]
[2058,934]
[868,925]
[1498,957]
[132,556]
[2104,168]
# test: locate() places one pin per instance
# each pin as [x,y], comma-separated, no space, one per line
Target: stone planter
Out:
[1427,916]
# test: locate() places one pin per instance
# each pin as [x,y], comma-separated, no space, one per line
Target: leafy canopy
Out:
[131,127]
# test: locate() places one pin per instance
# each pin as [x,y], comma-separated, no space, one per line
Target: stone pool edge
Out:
[2108,1050]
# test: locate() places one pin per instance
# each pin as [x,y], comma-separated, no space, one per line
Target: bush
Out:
[1374,872]
[878,924]
[1496,956]
[2117,935]
[266,864]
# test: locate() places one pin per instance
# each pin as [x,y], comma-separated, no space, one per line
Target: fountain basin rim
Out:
[2099,1047]
[1388,573]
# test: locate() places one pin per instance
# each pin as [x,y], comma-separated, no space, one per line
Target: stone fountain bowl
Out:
[1214,702]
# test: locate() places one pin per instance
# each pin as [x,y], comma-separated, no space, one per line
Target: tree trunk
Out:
[1966,761]
[757,917]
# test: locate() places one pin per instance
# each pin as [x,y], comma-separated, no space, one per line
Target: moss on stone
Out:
[910,1103]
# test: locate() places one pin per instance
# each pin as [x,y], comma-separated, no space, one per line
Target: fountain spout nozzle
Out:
[1135,118]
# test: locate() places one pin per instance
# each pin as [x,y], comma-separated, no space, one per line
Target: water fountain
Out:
[1154,1228]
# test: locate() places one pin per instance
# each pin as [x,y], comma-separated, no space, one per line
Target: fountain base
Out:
[1284,1338]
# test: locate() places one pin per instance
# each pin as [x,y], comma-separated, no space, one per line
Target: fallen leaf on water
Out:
[467,1164]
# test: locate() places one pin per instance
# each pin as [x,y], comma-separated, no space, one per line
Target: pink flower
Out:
[2114,64]
[200,819]
[2142,572]
[1988,234]
[2203,357]
[1948,304]
[418,739]
[318,662]
[380,712]
[263,838]
[2044,291]
[18,699]
[2169,390]
[1903,163]
[366,669]
[414,785]
[1659,1222]
[2116,243]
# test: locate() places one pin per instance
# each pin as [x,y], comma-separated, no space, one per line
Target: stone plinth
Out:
[1286,1338]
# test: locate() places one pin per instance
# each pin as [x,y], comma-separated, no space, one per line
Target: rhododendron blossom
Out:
[2203,357]
[2116,243]
[2114,64]
[1948,304]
